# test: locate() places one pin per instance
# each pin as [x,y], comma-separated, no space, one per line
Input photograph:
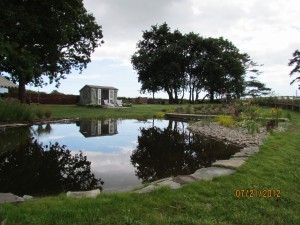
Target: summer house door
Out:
[99,96]
[111,96]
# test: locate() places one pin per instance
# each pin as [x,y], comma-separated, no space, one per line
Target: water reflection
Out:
[93,128]
[42,129]
[122,153]
[173,151]
[38,170]
[11,139]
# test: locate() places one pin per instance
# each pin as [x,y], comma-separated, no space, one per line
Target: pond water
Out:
[122,152]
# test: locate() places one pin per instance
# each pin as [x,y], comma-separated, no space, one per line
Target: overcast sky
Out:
[269,31]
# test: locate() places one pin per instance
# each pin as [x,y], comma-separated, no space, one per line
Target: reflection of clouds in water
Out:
[127,150]
[111,163]
[47,137]
[115,170]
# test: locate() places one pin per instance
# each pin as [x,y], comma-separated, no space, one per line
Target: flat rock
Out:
[79,194]
[241,154]
[121,189]
[10,198]
[27,197]
[230,163]
[184,179]
[240,158]
[211,172]
[148,189]
[167,182]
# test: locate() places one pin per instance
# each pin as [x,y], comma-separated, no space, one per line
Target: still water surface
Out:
[122,152]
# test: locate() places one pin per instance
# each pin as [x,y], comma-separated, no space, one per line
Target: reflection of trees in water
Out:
[42,130]
[13,138]
[172,151]
[50,169]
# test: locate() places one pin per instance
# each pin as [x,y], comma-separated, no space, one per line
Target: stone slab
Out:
[121,189]
[240,158]
[230,163]
[184,179]
[79,194]
[211,172]
[148,189]
[251,150]
[10,198]
[169,183]
[241,154]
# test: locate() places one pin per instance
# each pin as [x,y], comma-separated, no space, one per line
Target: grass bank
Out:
[275,167]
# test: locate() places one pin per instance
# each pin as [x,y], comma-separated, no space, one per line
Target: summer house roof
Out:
[6,83]
[100,87]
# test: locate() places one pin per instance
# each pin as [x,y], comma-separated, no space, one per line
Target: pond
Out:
[118,152]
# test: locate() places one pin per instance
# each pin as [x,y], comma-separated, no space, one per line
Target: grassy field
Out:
[275,167]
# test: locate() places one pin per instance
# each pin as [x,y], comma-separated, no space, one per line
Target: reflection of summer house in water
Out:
[94,128]
[98,95]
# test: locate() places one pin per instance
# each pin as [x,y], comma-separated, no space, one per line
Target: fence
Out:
[48,98]
[284,102]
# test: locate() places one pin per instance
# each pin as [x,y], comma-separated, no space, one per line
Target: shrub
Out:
[159,115]
[12,110]
[275,113]
[39,113]
[48,113]
[252,127]
[171,110]
[226,121]
[288,115]
[179,110]
[190,109]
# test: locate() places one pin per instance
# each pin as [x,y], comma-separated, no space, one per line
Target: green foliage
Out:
[170,110]
[48,113]
[173,62]
[226,121]
[40,112]
[276,113]
[45,41]
[11,111]
[288,115]
[255,88]
[252,126]
[159,115]
[190,109]
[295,61]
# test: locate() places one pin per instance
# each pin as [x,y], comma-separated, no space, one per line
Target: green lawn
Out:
[276,166]
[136,111]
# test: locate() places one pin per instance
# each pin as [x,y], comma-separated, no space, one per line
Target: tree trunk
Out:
[171,100]
[21,93]
[181,101]
[211,96]
[176,97]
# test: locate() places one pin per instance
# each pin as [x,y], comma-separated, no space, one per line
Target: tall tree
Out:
[224,69]
[158,61]
[295,61]
[194,64]
[41,39]
[255,88]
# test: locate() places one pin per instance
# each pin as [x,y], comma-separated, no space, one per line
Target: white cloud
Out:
[267,30]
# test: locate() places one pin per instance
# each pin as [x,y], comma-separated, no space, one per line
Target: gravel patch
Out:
[235,135]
